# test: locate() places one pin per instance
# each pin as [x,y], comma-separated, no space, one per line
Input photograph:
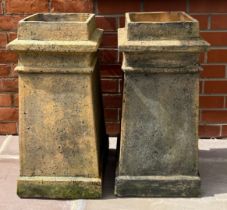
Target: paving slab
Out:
[2,139]
[10,201]
[213,171]
[11,146]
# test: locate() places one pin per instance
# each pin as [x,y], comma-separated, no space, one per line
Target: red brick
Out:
[8,128]
[217,56]
[108,56]
[9,85]
[120,57]
[215,38]
[163,5]
[202,58]
[213,71]
[215,87]
[110,71]
[4,70]
[8,56]
[3,40]
[219,116]
[109,41]
[15,100]
[5,100]
[224,131]
[206,102]
[12,36]
[9,22]
[26,6]
[206,131]
[121,85]
[72,6]
[219,22]
[200,86]
[106,23]
[117,6]
[203,21]
[122,21]
[207,6]
[113,129]
[112,101]
[8,114]
[109,85]
[111,115]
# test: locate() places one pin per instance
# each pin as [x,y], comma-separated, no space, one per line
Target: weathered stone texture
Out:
[158,186]
[57,125]
[59,187]
[161,26]
[67,27]
[61,122]
[158,112]
[159,138]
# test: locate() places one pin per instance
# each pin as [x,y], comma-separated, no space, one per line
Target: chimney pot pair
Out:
[62,135]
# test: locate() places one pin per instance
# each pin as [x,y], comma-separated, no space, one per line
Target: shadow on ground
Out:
[212,167]
[109,175]
[213,171]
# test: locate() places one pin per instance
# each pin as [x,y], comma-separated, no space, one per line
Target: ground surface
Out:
[213,170]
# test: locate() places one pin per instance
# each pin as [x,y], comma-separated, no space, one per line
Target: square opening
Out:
[60,17]
[160,17]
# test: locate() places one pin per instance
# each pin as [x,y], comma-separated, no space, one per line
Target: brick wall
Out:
[212,16]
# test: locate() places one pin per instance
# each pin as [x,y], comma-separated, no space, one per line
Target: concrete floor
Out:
[213,170]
